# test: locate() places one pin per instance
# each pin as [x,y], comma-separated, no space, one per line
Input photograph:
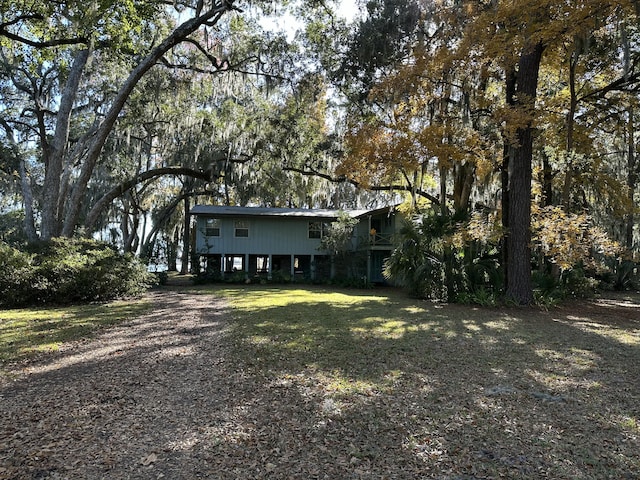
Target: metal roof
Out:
[221,211]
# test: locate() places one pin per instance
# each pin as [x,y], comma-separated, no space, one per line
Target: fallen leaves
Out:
[173,395]
[149,459]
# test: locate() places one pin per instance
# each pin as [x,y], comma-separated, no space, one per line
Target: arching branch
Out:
[212,15]
[221,66]
[4,32]
[373,188]
[117,191]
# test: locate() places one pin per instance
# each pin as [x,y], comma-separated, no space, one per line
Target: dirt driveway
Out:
[130,403]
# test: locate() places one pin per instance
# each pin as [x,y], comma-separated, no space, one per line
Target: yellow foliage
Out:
[512,119]
[408,207]
[481,227]
[569,239]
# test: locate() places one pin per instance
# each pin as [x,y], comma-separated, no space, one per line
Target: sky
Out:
[347,9]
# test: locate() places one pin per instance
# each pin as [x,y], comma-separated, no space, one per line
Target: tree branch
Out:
[213,14]
[373,188]
[125,186]
[33,43]
[620,84]
[220,66]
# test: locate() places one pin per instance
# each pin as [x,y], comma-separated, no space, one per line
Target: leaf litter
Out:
[176,394]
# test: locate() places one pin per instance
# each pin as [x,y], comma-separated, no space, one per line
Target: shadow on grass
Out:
[509,392]
[25,332]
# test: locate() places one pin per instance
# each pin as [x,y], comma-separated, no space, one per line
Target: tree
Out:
[338,243]
[532,30]
[35,27]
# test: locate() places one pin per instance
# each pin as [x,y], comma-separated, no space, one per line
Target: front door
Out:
[377,265]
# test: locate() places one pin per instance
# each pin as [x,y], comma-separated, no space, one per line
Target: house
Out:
[286,242]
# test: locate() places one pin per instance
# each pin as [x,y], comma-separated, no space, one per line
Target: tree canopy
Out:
[116,115]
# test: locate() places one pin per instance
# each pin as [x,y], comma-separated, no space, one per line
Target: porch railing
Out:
[377,239]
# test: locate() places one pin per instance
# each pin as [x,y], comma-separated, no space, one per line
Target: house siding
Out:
[276,236]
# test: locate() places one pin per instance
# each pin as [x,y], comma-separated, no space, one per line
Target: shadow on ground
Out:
[367,385]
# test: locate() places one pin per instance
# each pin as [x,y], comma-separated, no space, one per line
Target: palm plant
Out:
[418,261]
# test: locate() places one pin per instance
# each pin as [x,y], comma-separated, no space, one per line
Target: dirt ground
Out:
[160,397]
[127,404]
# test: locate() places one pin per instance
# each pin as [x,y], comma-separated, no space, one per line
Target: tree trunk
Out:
[27,197]
[520,288]
[25,184]
[130,224]
[464,175]
[150,241]
[186,237]
[510,90]
[444,211]
[50,226]
[573,104]
[547,181]
[632,176]
[172,250]
[78,193]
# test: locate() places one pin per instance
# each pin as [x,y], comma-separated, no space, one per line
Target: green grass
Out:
[328,329]
[29,331]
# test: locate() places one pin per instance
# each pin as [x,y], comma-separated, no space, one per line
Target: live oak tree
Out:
[191,134]
[292,137]
[49,54]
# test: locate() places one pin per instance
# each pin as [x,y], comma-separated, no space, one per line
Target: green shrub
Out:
[162,277]
[418,261]
[481,296]
[351,282]
[279,276]
[550,289]
[205,277]
[67,271]
[236,277]
[621,275]
[16,273]
[12,228]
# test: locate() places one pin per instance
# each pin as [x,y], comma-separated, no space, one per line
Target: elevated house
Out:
[286,242]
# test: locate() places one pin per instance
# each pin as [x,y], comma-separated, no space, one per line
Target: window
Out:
[318,229]
[241,228]
[212,227]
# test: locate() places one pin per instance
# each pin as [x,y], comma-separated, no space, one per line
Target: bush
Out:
[205,277]
[419,259]
[448,258]
[480,296]
[622,275]
[550,289]
[15,276]
[67,271]
[351,282]
[162,278]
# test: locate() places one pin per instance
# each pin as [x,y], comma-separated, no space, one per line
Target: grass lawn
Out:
[447,391]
